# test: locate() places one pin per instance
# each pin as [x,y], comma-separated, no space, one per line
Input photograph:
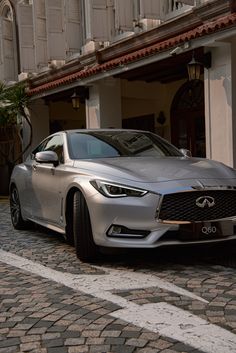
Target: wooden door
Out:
[188,119]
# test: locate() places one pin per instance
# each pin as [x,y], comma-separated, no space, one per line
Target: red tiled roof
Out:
[205,29]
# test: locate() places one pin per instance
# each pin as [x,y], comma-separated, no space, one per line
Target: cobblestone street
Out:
[42,315]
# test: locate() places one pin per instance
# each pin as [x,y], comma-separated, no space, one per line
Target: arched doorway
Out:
[188,118]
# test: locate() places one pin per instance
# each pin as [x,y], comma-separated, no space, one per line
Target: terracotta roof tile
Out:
[205,29]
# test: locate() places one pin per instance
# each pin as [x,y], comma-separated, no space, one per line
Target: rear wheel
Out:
[86,249]
[16,217]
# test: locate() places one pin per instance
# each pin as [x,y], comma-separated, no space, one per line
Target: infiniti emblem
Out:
[205,201]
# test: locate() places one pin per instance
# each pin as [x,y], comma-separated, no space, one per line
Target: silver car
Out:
[122,189]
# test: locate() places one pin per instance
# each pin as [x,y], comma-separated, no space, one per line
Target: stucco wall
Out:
[103,109]
[141,98]
[234,100]
[218,105]
[67,117]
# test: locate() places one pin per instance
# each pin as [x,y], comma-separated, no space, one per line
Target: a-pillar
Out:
[103,108]
[220,107]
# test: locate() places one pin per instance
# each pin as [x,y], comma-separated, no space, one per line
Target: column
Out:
[103,108]
[218,105]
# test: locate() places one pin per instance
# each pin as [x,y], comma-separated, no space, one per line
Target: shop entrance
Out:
[188,118]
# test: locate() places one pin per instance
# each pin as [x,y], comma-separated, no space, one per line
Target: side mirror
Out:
[186,152]
[47,157]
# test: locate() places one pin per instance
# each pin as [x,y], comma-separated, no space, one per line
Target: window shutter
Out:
[8,59]
[73,27]
[124,14]
[40,26]
[55,29]
[100,26]
[150,9]
[26,37]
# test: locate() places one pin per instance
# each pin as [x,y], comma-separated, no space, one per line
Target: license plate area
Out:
[207,230]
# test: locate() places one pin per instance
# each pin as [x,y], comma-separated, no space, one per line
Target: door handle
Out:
[34,167]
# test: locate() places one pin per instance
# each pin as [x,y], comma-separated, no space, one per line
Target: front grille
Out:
[182,206]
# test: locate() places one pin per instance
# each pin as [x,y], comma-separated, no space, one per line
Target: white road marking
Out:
[179,324]
[97,284]
[163,318]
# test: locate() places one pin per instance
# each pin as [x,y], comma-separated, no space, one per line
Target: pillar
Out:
[103,108]
[219,111]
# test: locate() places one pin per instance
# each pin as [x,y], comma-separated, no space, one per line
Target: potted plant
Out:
[13,108]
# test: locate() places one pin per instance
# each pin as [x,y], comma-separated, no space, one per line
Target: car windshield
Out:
[105,144]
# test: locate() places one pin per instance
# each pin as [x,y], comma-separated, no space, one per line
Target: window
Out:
[7,13]
[113,144]
[54,144]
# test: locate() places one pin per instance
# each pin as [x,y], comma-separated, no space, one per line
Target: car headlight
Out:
[116,190]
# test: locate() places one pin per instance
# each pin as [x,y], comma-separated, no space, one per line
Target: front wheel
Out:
[86,249]
[16,217]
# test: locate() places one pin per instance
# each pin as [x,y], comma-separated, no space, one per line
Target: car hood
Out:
[151,169]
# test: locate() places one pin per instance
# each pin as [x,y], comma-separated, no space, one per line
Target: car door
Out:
[46,190]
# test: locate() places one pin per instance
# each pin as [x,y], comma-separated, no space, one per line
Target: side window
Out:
[39,148]
[55,144]
[52,144]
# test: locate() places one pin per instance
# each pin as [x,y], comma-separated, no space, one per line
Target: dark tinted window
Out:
[104,144]
[53,143]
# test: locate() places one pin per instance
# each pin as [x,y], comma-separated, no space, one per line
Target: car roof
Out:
[103,130]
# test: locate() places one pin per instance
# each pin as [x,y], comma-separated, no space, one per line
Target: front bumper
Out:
[200,232]
[140,228]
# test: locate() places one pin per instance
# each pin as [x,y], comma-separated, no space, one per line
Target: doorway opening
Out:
[143,122]
[188,118]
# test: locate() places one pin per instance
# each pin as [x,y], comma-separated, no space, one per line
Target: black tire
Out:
[17,221]
[86,249]
[69,236]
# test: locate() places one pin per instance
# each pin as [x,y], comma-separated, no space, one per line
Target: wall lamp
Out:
[194,67]
[79,96]
[75,101]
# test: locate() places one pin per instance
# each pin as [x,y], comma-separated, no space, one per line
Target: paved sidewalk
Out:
[41,316]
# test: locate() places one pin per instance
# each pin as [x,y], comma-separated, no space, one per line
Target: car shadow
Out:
[201,255]
[223,254]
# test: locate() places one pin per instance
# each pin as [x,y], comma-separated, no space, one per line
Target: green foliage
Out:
[13,101]
[5,117]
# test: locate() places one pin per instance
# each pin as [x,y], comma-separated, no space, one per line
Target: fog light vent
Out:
[123,232]
[115,230]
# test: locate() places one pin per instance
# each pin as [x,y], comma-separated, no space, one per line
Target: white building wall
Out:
[58,29]
[233,67]
[218,105]
[47,30]
[141,98]
[103,108]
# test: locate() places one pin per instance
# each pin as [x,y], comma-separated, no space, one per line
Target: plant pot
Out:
[4,180]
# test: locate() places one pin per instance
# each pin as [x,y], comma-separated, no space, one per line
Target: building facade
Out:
[126,63]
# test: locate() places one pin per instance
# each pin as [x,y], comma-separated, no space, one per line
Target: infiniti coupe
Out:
[123,189]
